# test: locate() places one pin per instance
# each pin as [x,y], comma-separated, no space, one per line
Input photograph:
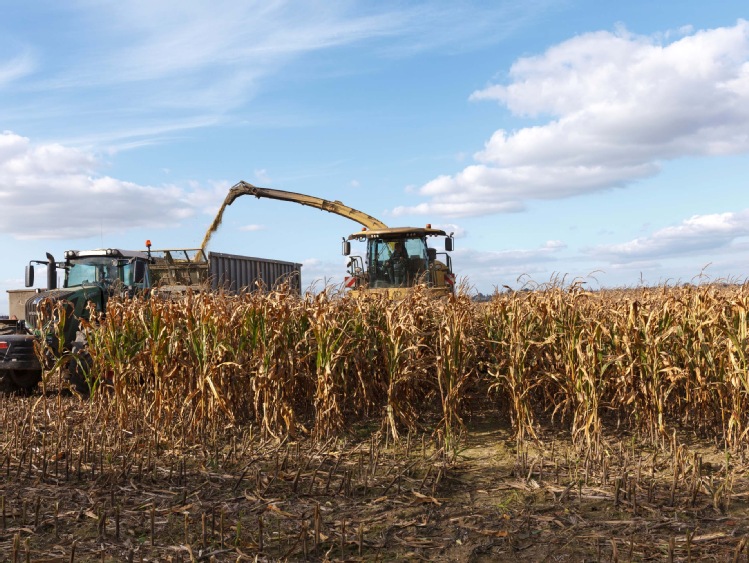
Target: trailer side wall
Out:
[243,273]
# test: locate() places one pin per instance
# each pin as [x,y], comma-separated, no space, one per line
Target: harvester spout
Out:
[239,189]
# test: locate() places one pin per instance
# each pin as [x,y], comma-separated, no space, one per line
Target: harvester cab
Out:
[396,259]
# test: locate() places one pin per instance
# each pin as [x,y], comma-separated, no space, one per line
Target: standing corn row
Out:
[648,358]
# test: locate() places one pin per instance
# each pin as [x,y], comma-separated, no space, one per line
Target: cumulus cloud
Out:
[698,235]
[44,186]
[457,230]
[613,107]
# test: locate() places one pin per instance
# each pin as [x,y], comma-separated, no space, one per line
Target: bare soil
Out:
[72,495]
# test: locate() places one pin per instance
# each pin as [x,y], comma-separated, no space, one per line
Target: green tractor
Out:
[90,278]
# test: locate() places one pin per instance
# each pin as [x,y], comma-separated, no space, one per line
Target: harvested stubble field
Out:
[548,425]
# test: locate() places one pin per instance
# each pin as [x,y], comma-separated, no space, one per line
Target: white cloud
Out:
[616,105]
[513,258]
[697,236]
[457,230]
[175,37]
[488,269]
[126,137]
[262,177]
[253,228]
[48,191]
[319,274]
[134,64]
[16,67]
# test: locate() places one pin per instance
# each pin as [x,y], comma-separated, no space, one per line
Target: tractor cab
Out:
[106,267]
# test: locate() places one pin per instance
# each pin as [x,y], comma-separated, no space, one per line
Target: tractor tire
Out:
[25,379]
[78,369]
[78,374]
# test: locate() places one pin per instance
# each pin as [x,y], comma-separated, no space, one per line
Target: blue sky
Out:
[556,138]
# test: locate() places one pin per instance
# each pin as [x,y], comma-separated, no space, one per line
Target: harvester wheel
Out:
[25,379]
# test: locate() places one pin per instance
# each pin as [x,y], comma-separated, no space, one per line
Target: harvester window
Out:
[396,262]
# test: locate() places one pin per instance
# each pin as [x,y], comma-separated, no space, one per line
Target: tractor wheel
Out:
[78,369]
[25,379]
[77,374]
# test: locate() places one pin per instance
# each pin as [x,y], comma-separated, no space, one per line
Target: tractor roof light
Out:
[71,254]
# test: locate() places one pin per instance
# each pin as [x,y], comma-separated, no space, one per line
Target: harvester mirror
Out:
[449,244]
[432,254]
[346,247]
[29,278]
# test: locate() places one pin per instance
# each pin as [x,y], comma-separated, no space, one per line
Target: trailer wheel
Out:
[25,379]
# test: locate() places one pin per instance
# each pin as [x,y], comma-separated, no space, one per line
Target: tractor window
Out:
[98,270]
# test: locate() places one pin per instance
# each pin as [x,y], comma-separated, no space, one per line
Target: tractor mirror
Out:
[449,244]
[346,247]
[29,275]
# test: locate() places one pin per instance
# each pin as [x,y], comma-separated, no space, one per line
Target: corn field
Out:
[272,426]
[648,361]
